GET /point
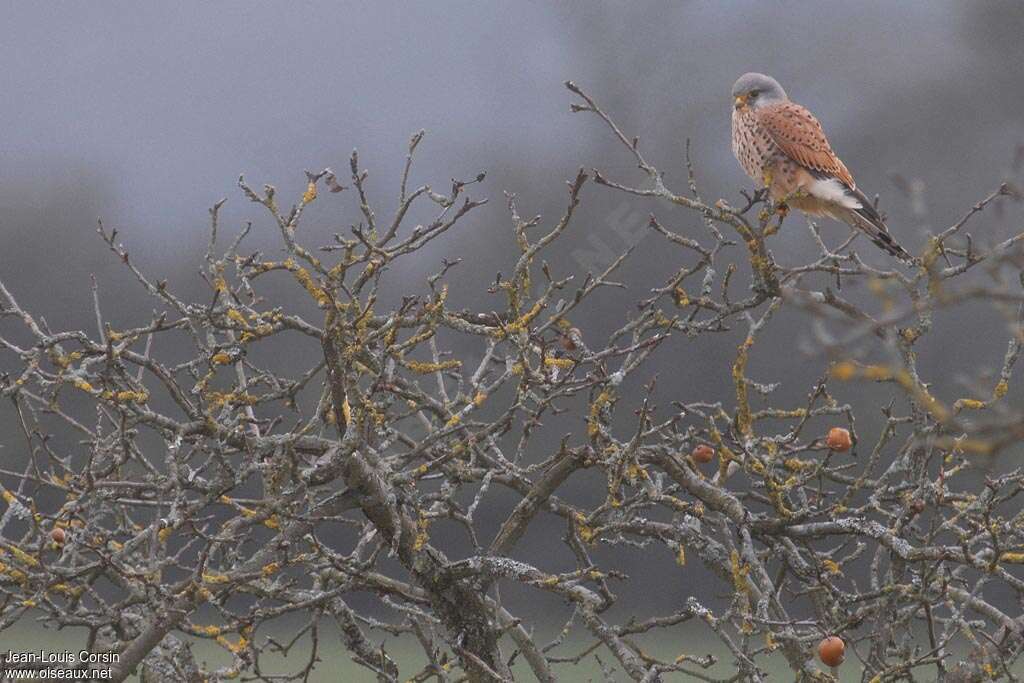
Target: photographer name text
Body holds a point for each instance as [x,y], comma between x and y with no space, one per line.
[61,657]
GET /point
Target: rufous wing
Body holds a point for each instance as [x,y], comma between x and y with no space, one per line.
[799,135]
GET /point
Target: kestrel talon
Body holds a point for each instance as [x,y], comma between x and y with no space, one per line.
[783,148]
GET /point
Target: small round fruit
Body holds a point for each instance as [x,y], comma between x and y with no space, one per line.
[59,536]
[832,650]
[838,439]
[703,454]
[917,506]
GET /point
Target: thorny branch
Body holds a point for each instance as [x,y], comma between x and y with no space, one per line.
[207,498]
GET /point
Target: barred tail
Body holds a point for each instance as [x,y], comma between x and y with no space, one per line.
[868,221]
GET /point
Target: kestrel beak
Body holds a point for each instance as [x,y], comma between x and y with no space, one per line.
[741,101]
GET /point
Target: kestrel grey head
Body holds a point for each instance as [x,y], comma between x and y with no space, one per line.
[757,90]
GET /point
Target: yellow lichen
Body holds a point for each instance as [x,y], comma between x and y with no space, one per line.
[743,421]
[921,395]
[586,534]
[235,315]
[968,404]
[310,194]
[910,334]
[594,420]
[211,630]
[65,589]
[634,472]
[306,280]
[16,575]
[877,372]
[215,578]
[520,323]
[843,371]
[1001,389]
[422,524]
[796,464]
[218,399]
[426,368]
[65,361]
[24,557]
[234,648]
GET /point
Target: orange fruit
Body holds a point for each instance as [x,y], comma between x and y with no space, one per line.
[703,454]
[838,439]
[831,650]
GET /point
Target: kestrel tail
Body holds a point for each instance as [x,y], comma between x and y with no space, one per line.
[781,145]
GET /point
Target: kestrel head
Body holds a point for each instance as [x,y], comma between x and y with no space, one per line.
[756,90]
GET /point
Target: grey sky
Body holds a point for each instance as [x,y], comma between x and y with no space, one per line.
[169,102]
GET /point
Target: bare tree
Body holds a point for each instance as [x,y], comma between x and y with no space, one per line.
[200,494]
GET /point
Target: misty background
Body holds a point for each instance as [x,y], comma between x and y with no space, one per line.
[145,115]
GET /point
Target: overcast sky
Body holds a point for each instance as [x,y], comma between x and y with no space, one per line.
[166,103]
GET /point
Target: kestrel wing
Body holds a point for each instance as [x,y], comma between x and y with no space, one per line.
[799,135]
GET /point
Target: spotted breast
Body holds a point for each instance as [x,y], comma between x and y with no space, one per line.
[752,143]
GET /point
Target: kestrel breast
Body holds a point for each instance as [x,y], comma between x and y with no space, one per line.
[751,144]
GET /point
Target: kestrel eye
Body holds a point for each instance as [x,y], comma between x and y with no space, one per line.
[754,93]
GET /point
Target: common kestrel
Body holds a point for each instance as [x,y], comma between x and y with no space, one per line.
[781,145]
